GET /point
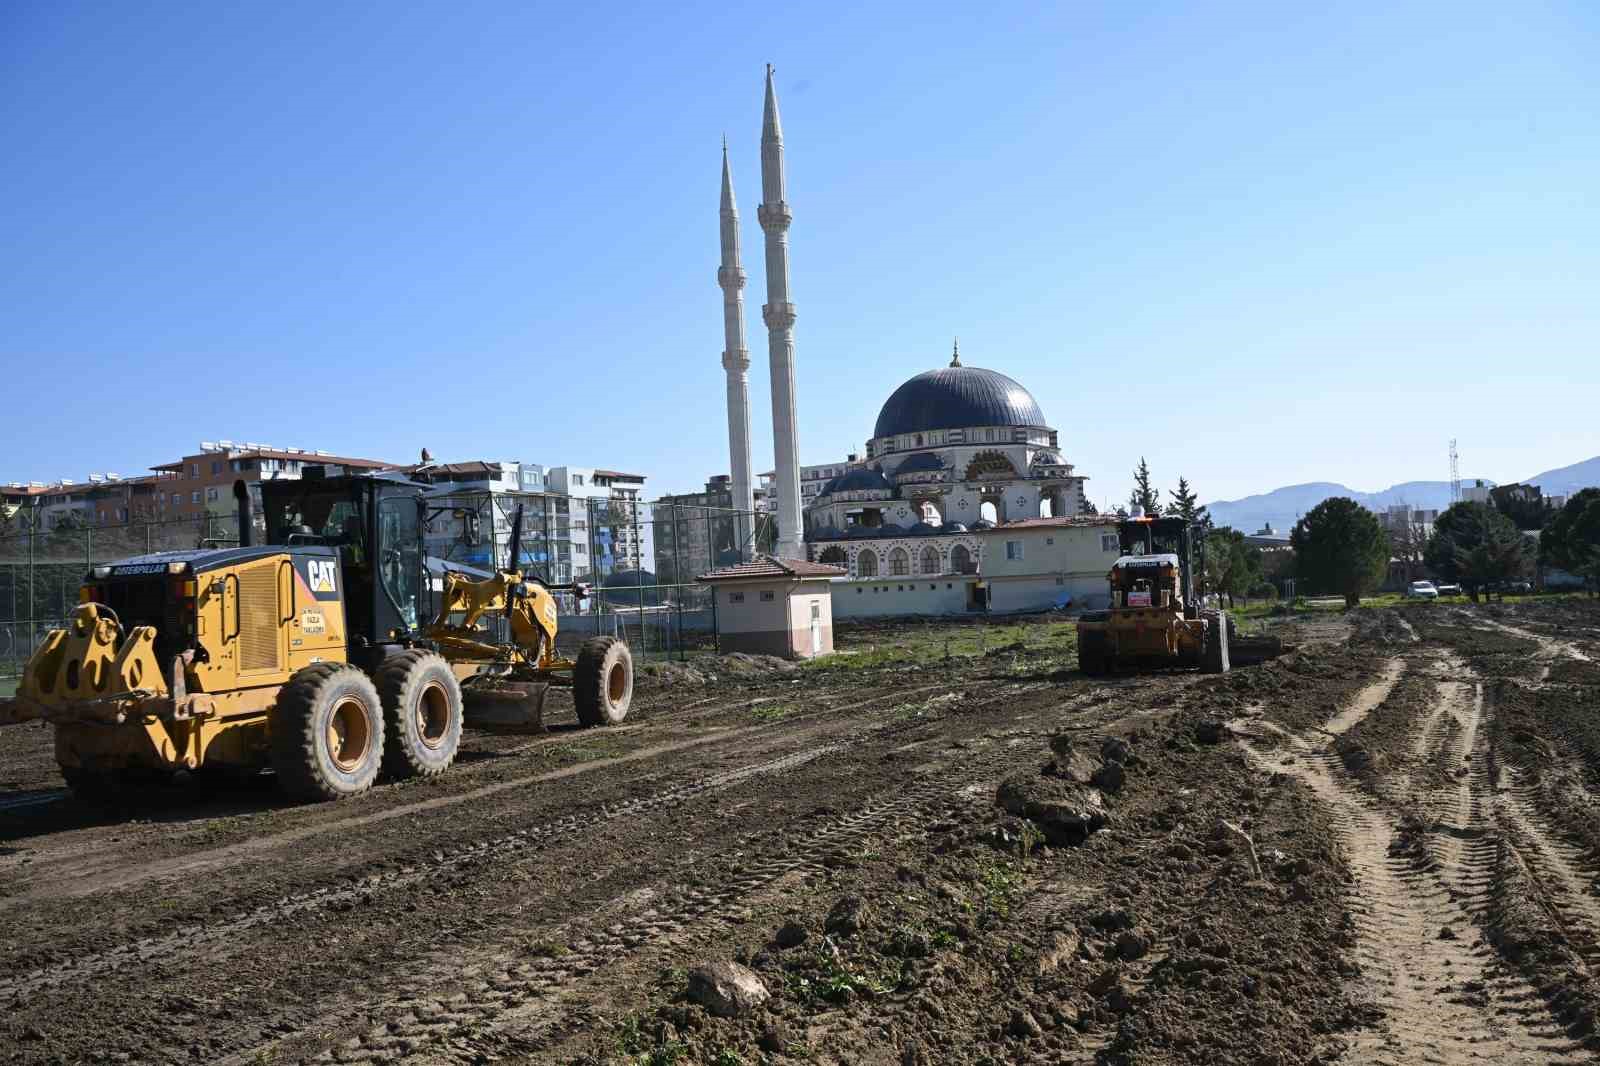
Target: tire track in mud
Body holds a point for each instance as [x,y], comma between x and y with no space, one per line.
[511,997]
[1567,874]
[82,875]
[1440,997]
[559,830]
[147,949]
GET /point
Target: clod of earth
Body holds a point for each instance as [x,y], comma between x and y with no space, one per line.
[726,989]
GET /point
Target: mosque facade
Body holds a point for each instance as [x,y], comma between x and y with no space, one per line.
[955,451]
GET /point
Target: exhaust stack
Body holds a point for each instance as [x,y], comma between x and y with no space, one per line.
[241,496]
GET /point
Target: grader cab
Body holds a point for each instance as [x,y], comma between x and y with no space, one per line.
[330,653]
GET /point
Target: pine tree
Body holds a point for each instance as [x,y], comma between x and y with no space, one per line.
[1186,505]
[1144,494]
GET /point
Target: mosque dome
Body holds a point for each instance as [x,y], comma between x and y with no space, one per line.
[955,397]
[861,479]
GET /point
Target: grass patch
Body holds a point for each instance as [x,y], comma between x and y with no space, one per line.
[911,644]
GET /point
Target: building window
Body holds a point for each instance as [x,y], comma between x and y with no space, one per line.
[767,596]
[1013,549]
[899,562]
[216,466]
[1109,542]
[194,469]
[577,479]
[930,560]
[1050,540]
[735,597]
[194,497]
[1061,581]
[211,495]
[867,563]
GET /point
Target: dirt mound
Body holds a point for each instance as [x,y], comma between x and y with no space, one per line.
[708,669]
[1376,626]
[980,934]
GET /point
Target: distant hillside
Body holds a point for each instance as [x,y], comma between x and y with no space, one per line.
[1281,508]
[1569,479]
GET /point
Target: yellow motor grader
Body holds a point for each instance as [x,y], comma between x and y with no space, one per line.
[333,652]
[1157,618]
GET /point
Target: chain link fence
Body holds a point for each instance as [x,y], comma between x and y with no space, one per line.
[639,559]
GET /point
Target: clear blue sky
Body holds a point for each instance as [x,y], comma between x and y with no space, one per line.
[1259,244]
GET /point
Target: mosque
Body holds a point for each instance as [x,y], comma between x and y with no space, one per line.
[956,450]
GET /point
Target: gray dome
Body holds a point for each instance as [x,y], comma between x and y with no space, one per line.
[954,397]
[923,529]
[983,523]
[922,462]
[952,527]
[861,479]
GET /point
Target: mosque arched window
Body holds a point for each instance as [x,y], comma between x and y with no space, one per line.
[834,556]
[899,562]
[867,563]
[961,559]
[930,560]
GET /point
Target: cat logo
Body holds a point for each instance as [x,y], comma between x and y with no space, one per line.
[320,574]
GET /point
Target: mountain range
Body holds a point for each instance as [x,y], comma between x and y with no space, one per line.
[1282,507]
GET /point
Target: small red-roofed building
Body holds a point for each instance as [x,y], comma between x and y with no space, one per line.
[771,606]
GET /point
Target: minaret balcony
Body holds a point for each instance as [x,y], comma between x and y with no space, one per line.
[731,277]
[778,316]
[774,216]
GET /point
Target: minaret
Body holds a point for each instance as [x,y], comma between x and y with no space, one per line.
[735,358]
[779,317]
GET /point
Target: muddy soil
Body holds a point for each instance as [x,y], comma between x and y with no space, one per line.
[1374,849]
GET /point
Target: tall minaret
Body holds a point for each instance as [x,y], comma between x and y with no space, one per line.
[779,317]
[735,358]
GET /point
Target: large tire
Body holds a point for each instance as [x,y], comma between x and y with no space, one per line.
[422,714]
[1092,653]
[327,733]
[602,684]
[1214,659]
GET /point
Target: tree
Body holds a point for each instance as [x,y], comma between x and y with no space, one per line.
[1476,546]
[1144,494]
[1523,504]
[1340,547]
[1408,542]
[1572,539]
[1233,568]
[1186,505]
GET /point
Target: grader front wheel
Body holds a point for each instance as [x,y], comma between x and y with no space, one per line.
[602,684]
[421,712]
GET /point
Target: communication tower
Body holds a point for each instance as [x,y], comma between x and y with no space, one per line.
[1455,473]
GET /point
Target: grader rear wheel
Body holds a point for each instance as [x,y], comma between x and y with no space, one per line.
[1092,653]
[602,684]
[327,733]
[422,714]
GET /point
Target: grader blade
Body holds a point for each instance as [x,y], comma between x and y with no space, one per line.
[508,707]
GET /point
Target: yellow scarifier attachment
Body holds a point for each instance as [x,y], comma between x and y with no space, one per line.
[80,672]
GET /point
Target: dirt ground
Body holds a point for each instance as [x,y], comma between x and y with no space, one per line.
[945,846]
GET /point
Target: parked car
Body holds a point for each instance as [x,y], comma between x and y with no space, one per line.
[1516,588]
[1421,590]
[1449,590]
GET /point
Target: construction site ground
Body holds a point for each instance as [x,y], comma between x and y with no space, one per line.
[1380,848]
